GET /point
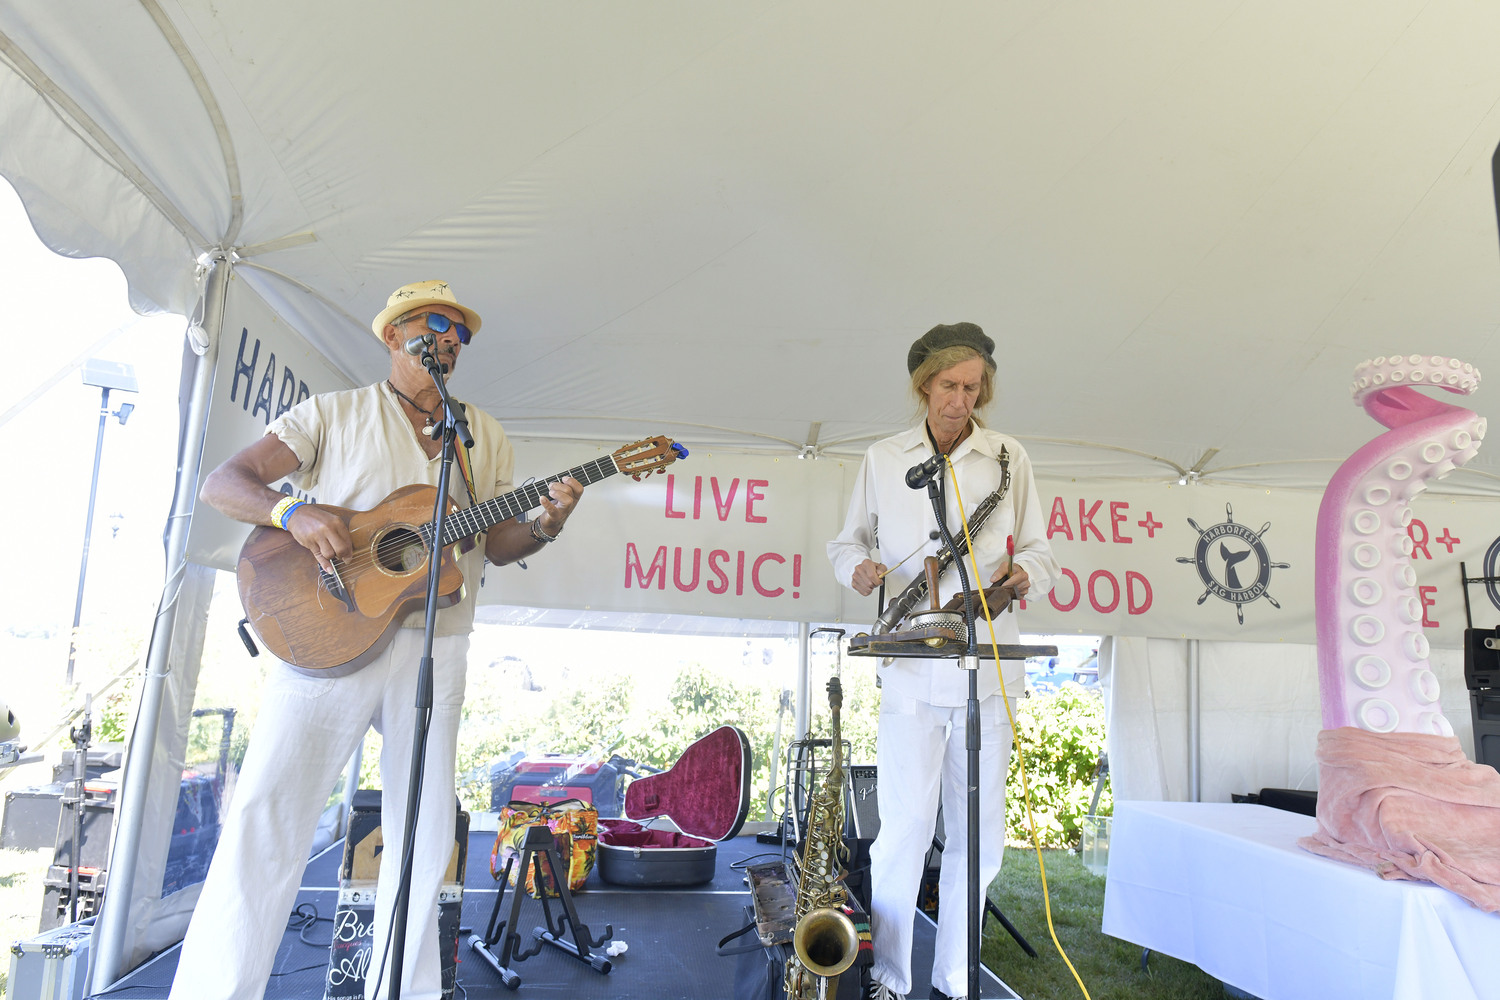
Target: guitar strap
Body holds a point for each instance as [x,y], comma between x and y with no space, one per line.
[466,469]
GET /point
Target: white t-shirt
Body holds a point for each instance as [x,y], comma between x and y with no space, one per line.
[354,448]
[887,520]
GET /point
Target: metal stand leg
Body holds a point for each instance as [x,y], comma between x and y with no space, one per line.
[991,908]
[482,946]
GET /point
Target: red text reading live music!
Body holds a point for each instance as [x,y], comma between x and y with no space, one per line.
[716,570]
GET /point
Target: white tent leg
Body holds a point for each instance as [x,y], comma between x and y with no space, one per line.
[1194,748]
[804,680]
[114,918]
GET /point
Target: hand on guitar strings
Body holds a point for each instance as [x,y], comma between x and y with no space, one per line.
[322,533]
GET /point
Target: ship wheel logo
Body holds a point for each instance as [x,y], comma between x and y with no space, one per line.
[1227,556]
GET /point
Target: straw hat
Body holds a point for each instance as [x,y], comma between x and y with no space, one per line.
[415,296]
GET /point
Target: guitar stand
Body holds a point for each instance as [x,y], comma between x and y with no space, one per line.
[538,847]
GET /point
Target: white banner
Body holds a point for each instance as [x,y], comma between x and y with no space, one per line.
[734,535]
[1228,563]
[727,535]
[264,368]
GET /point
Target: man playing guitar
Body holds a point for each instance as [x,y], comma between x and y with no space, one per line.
[352,449]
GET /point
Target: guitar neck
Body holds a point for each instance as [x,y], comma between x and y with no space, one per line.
[463,523]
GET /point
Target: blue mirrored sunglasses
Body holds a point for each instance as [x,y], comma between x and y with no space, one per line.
[438,323]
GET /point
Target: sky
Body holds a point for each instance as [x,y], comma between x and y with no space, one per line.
[49,424]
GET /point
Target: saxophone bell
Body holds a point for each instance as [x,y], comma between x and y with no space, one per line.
[826,941]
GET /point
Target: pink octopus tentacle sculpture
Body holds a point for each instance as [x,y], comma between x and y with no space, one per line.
[1373,670]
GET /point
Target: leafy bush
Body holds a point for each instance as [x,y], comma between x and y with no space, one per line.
[1062,737]
[1062,734]
[593,719]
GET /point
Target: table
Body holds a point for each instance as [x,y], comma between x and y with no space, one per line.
[1226,887]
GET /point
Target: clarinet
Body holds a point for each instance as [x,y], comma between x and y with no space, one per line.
[916,591]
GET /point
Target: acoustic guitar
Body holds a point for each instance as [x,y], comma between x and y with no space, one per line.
[330,623]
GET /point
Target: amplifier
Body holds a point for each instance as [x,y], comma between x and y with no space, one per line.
[863,814]
[349,957]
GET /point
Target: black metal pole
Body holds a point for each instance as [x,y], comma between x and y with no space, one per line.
[88,528]
[454,425]
[970,663]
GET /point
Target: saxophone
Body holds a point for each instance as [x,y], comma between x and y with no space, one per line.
[916,591]
[824,940]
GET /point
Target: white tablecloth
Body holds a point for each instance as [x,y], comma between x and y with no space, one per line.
[1226,887]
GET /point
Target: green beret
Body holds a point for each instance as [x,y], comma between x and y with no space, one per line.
[946,335]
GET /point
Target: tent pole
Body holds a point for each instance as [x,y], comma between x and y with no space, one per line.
[115,913]
[804,681]
[1194,731]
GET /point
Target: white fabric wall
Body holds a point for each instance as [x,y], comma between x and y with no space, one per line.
[1259,715]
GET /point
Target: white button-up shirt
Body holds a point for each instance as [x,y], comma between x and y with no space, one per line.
[887,520]
[355,447]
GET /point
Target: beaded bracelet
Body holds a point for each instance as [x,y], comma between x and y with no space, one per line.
[540,535]
[283,510]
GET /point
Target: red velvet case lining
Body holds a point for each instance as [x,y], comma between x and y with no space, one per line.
[706,793]
[627,833]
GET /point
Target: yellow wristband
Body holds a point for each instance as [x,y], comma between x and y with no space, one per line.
[283,508]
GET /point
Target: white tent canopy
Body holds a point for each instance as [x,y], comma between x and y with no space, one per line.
[1184,222]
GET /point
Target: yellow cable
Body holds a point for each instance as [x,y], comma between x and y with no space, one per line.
[1020,757]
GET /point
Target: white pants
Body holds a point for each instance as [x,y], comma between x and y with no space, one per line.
[305,732]
[920,749]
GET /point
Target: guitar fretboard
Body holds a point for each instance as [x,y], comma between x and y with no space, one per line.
[463,523]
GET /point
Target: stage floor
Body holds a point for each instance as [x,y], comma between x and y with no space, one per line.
[672,936]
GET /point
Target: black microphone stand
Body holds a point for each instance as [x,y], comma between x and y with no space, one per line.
[453,425]
[970,663]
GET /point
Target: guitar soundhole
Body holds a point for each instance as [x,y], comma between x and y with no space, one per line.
[401,551]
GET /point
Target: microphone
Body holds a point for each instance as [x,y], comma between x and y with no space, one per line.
[415,344]
[919,476]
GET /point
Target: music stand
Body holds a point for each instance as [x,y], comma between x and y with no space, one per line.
[879,645]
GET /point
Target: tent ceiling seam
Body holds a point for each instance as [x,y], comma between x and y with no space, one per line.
[1070,442]
[215,115]
[521,421]
[240,262]
[65,107]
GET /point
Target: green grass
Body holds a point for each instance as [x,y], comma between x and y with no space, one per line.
[1110,968]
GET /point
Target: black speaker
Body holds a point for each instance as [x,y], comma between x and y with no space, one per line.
[1481,658]
[1482,677]
[1485,709]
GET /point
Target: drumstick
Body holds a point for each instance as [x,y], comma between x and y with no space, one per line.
[931,536]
